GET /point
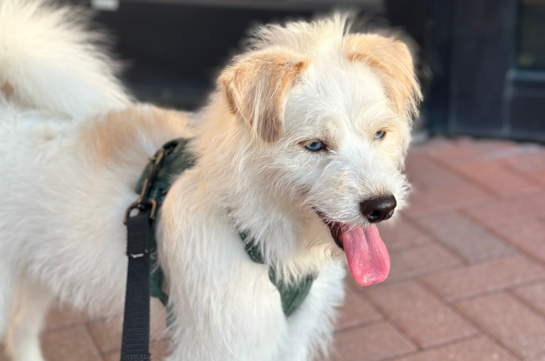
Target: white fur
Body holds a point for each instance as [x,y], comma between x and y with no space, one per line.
[52,62]
[66,184]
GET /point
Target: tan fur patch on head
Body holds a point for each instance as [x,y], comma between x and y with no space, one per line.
[255,87]
[392,61]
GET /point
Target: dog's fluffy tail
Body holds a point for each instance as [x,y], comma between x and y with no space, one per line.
[50,61]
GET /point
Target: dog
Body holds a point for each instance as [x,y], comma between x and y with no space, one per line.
[301,146]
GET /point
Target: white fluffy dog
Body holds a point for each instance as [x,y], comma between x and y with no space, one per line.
[301,147]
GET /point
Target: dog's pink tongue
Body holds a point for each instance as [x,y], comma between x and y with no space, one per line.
[367,255]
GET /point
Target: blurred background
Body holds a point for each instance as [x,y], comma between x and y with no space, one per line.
[481,62]
[468,255]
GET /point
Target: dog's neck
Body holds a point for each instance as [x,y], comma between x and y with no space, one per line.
[290,234]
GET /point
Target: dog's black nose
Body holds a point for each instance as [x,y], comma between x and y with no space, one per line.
[378,209]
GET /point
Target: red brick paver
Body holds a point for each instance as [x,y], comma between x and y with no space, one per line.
[107,333]
[533,295]
[497,179]
[420,260]
[355,312]
[529,238]
[371,343]
[476,349]
[61,316]
[514,325]
[401,234]
[455,154]
[159,351]
[424,173]
[467,238]
[484,277]
[446,199]
[538,177]
[70,344]
[509,213]
[468,269]
[529,161]
[419,314]
[3,356]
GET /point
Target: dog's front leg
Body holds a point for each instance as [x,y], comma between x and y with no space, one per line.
[224,306]
[236,319]
[26,321]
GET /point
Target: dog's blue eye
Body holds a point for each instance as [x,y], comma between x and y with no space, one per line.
[380,135]
[315,146]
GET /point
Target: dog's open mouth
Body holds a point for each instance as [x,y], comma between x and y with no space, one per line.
[366,253]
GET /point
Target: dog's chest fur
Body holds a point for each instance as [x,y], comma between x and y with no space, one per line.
[204,254]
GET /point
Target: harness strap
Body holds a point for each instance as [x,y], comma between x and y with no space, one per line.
[292,295]
[171,160]
[176,159]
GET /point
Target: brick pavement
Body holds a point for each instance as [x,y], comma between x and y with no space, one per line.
[468,269]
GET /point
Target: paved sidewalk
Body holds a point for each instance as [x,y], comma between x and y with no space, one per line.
[468,269]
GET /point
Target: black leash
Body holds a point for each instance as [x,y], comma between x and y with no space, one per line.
[136,321]
[169,161]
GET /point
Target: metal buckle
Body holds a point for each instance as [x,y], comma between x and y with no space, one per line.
[141,207]
[144,202]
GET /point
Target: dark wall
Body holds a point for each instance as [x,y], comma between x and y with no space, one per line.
[173,51]
[478,88]
[482,48]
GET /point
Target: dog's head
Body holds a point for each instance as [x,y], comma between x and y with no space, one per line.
[331,112]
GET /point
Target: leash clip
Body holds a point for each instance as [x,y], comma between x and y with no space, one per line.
[141,207]
[144,202]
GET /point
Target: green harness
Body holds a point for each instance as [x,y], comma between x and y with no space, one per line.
[176,160]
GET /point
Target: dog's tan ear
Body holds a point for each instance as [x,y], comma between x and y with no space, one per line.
[393,63]
[255,87]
